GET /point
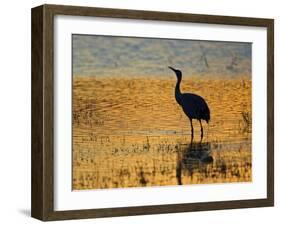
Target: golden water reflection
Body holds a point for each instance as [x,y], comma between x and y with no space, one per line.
[134,134]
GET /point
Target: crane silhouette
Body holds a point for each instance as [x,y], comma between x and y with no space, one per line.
[194,106]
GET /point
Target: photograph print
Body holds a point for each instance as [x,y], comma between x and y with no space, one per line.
[160,112]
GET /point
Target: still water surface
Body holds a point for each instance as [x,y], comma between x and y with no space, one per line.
[131,133]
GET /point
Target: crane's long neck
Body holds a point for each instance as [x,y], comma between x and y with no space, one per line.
[178,92]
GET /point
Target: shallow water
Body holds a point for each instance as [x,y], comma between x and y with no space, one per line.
[131,133]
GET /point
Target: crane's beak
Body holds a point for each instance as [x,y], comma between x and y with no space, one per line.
[172,68]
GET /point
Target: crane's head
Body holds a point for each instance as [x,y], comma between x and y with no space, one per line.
[178,72]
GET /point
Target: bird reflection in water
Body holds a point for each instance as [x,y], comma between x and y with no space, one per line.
[194,157]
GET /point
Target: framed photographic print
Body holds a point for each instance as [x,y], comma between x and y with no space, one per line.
[141,112]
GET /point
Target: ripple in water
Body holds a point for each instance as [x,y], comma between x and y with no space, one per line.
[131,133]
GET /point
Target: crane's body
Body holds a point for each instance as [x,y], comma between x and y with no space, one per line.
[194,106]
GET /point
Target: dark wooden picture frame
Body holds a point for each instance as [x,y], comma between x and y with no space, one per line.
[42,203]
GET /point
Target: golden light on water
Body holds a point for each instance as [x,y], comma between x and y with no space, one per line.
[130,132]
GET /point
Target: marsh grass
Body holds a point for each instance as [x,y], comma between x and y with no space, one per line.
[247,121]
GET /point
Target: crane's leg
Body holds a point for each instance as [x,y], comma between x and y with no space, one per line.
[191,128]
[202,133]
